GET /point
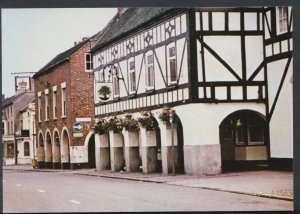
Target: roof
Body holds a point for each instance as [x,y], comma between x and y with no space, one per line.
[8,101]
[60,58]
[131,19]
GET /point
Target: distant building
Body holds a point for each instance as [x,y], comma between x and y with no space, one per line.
[224,71]
[18,128]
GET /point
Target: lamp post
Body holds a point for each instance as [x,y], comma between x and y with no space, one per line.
[172,112]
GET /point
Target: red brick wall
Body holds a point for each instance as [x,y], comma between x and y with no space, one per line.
[79,91]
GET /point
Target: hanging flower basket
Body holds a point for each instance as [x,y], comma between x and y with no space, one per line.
[115,124]
[101,127]
[147,121]
[165,116]
[130,124]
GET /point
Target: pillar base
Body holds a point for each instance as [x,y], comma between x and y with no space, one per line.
[167,159]
[132,159]
[40,164]
[149,159]
[65,165]
[56,165]
[48,165]
[102,158]
[116,159]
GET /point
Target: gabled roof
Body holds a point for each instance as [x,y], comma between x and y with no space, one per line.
[8,101]
[60,58]
[130,20]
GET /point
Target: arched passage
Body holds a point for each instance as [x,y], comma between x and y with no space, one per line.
[65,150]
[56,150]
[48,150]
[243,141]
[40,151]
[180,143]
[91,152]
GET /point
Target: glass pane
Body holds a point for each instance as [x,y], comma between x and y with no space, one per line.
[173,69]
[150,59]
[172,52]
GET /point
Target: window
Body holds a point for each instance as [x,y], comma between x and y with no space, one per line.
[8,130]
[132,76]
[39,107]
[283,19]
[116,83]
[54,105]
[12,127]
[26,149]
[47,106]
[3,130]
[172,65]
[88,62]
[63,99]
[149,72]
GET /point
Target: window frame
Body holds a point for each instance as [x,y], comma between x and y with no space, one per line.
[282,20]
[132,76]
[150,82]
[172,58]
[63,100]
[54,102]
[88,62]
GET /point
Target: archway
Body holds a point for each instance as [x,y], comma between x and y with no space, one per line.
[65,150]
[91,152]
[180,143]
[48,150]
[40,151]
[243,141]
[158,145]
[56,150]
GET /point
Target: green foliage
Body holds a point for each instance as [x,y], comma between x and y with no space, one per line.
[146,120]
[101,127]
[114,124]
[129,123]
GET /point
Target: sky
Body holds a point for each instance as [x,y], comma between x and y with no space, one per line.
[33,37]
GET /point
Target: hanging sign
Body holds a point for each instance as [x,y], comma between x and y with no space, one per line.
[22,83]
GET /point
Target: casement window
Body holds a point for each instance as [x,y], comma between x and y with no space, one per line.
[40,106]
[47,108]
[172,64]
[63,100]
[26,149]
[116,85]
[149,72]
[88,62]
[54,96]
[283,18]
[132,76]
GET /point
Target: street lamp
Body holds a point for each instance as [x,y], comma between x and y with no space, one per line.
[172,113]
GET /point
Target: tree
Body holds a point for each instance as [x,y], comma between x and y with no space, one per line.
[104,93]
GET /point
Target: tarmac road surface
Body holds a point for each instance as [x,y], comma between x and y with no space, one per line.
[29,191]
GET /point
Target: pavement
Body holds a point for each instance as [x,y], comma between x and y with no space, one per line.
[264,183]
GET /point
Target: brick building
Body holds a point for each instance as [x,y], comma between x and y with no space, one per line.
[64,96]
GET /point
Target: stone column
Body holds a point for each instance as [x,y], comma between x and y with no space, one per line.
[131,141]
[102,152]
[166,148]
[149,150]
[116,151]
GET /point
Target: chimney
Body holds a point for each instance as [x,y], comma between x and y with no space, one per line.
[75,43]
[85,38]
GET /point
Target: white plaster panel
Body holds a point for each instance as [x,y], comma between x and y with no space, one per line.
[180,97]
[201,92]
[197,17]
[281,124]
[78,154]
[208,92]
[268,50]
[221,93]
[250,21]
[199,60]
[206,119]
[218,21]
[224,47]
[183,23]
[184,68]
[254,53]
[185,93]
[115,139]
[276,48]
[236,92]
[148,138]
[291,45]
[205,20]
[234,21]
[284,46]
[131,139]
[177,20]
[252,92]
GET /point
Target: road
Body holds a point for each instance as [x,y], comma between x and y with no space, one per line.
[29,191]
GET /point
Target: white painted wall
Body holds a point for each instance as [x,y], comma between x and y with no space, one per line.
[281,124]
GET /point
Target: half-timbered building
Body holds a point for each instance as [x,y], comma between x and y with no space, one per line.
[216,84]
